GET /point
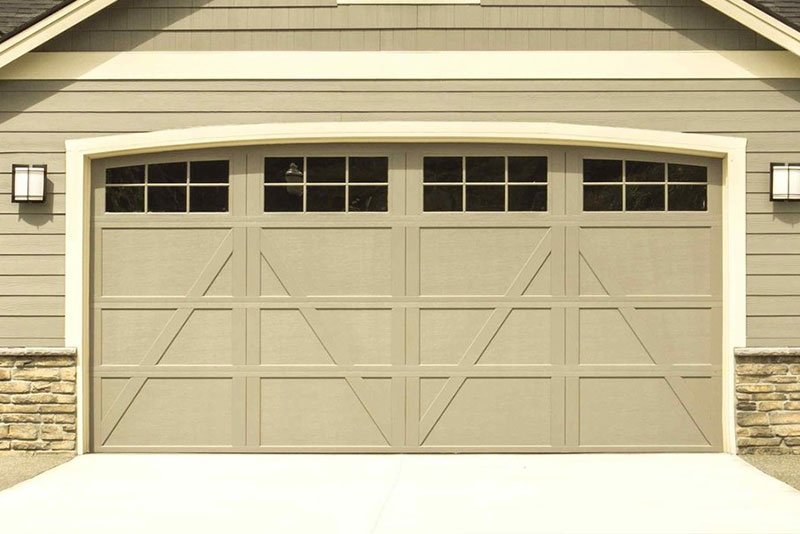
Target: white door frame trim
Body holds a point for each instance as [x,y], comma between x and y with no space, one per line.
[732,151]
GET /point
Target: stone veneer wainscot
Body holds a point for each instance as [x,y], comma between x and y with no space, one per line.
[768,400]
[37,399]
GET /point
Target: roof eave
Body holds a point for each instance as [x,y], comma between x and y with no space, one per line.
[760,21]
[47,26]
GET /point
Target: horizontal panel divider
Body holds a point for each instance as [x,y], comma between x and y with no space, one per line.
[366,221]
[321,371]
[215,303]
[304,449]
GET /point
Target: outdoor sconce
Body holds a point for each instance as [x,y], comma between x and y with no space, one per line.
[28,183]
[784,181]
[294,176]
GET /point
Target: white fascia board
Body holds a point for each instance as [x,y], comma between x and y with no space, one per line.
[488,65]
[48,28]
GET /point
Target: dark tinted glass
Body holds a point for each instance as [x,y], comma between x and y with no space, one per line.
[325,170]
[644,171]
[125,175]
[369,198]
[602,170]
[688,197]
[602,198]
[167,173]
[527,169]
[124,199]
[282,199]
[323,198]
[442,198]
[527,198]
[687,173]
[486,198]
[208,199]
[369,169]
[442,169]
[209,172]
[166,199]
[486,169]
[644,198]
[275,170]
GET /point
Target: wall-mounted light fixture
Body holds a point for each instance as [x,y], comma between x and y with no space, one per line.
[784,181]
[28,183]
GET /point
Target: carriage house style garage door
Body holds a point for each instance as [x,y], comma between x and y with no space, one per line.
[406,298]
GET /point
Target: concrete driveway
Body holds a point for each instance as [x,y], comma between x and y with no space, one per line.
[409,494]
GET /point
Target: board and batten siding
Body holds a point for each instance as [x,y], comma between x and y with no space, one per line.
[37,117]
[169,25]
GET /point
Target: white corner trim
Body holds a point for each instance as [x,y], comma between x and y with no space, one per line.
[49,27]
[81,152]
[492,65]
[760,22]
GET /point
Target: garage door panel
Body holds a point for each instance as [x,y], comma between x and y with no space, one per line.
[501,412]
[326,337]
[446,334]
[606,338]
[649,261]
[320,412]
[188,412]
[523,338]
[542,282]
[205,339]
[325,261]
[162,262]
[620,411]
[128,334]
[477,261]
[288,339]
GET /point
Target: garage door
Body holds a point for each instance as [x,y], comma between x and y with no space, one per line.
[407,299]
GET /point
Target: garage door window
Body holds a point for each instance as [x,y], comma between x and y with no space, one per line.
[326,184]
[485,183]
[175,187]
[620,185]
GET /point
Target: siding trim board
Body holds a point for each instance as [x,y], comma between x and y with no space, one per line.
[440,65]
[80,153]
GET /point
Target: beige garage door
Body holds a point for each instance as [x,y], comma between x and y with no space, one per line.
[406,299]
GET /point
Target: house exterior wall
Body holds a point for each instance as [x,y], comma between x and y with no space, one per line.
[493,25]
[37,117]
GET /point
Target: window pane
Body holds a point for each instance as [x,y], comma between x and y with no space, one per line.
[369,198]
[527,169]
[443,198]
[325,199]
[124,199]
[644,171]
[125,175]
[602,198]
[442,169]
[602,170]
[527,198]
[688,197]
[369,169]
[275,170]
[167,173]
[325,170]
[209,172]
[486,198]
[208,199]
[486,169]
[687,173]
[283,199]
[166,199]
[644,198]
